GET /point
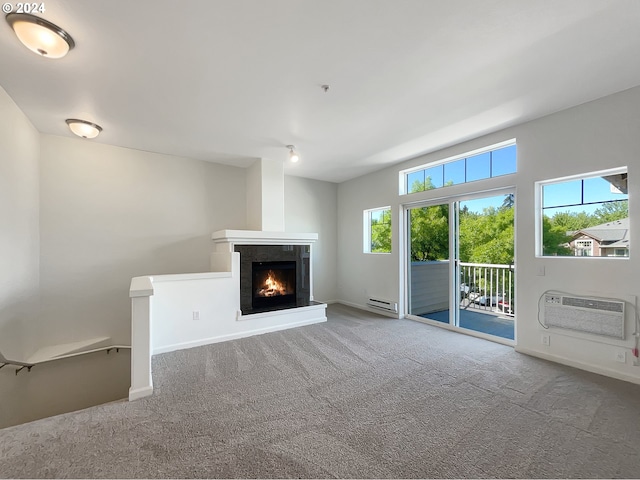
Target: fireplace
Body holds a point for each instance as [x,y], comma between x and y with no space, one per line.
[274,277]
[274,284]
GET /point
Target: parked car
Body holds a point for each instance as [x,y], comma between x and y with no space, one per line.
[505,307]
[484,300]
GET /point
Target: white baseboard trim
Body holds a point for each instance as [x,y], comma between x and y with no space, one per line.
[234,336]
[607,372]
[369,309]
[328,302]
[136,393]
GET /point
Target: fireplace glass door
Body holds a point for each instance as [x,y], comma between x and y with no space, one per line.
[273,284]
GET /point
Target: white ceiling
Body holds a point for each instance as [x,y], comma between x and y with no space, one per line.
[233,80]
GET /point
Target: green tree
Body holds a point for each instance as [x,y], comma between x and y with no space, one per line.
[487,237]
[381,233]
[571,221]
[611,211]
[430,233]
[554,238]
[416,186]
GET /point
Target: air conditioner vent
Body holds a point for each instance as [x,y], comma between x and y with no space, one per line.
[597,316]
[594,304]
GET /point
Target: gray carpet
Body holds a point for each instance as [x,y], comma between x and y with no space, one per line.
[358,396]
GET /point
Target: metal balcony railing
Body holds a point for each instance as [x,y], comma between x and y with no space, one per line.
[486,286]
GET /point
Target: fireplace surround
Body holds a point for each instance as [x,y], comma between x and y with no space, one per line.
[254,246]
[262,266]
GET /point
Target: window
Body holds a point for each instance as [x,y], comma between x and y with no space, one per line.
[584,248]
[479,165]
[585,215]
[377,230]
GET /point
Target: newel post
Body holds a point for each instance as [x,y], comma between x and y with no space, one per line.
[140,292]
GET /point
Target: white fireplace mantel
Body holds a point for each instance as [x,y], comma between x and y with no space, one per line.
[256,237]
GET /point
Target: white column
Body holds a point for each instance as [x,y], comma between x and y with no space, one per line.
[140,293]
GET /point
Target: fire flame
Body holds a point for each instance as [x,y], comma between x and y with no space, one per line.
[272,287]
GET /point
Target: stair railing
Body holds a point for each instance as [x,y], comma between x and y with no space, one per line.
[22,365]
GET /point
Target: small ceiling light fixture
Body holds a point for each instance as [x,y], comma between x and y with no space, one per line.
[293,155]
[40,36]
[83,129]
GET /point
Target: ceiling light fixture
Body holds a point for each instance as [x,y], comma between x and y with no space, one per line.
[40,36]
[83,129]
[293,155]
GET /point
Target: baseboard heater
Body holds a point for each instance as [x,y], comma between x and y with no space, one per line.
[382,304]
[597,316]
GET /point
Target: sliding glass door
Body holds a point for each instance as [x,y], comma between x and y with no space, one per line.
[460,263]
[429,248]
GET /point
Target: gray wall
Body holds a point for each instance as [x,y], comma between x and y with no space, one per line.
[429,291]
[19,228]
[109,214]
[311,207]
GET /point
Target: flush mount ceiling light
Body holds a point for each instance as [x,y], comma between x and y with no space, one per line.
[293,155]
[40,36]
[83,129]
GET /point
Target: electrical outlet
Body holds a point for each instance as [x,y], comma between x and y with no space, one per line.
[546,340]
[621,356]
[196,314]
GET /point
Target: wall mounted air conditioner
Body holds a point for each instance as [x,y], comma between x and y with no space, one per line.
[597,316]
[383,304]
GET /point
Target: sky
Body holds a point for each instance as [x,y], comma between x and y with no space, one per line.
[561,195]
[595,189]
[477,167]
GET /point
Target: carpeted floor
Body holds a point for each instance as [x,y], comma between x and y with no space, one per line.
[358,396]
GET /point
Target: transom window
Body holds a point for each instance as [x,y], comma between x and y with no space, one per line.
[479,165]
[585,215]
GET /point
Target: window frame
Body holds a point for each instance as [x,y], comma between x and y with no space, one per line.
[539,206]
[584,245]
[367,230]
[404,174]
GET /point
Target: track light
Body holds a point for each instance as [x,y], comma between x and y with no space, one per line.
[293,155]
[39,35]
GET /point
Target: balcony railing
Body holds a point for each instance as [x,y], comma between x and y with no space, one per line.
[486,286]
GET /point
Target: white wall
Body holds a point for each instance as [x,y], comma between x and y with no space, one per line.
[109,214]
[594,136]
[365,274]
[311,207]
[80,219]
[254,196]
[59,386]
[215,296]
[590,137]
[19,228]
